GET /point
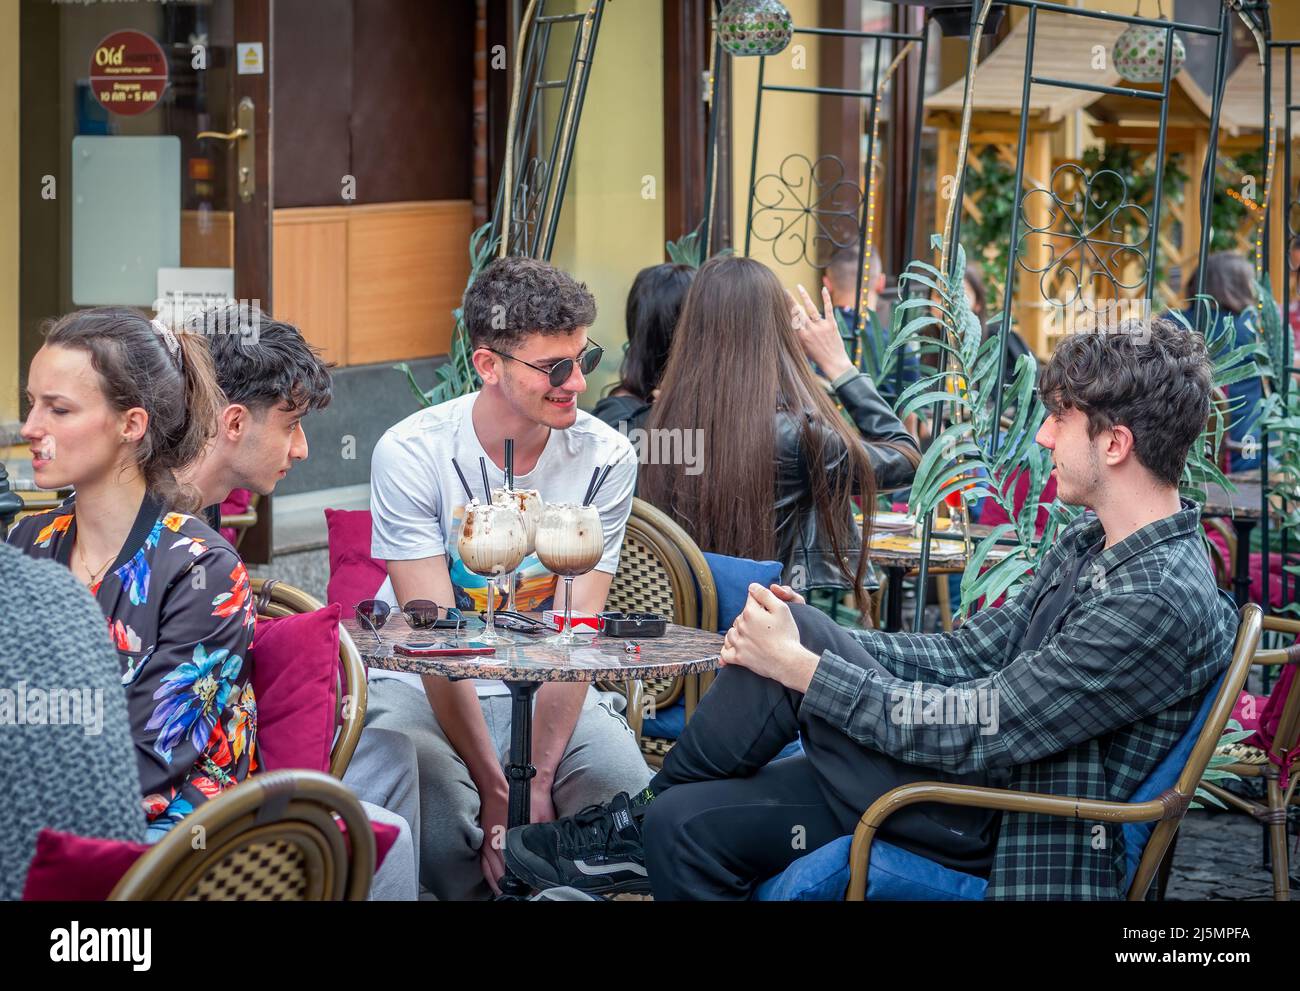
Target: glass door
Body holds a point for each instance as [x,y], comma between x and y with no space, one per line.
[144,144]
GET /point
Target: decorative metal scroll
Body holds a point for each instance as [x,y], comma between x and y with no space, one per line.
[529,202]
[545,134]
[807,210]
[1089,235]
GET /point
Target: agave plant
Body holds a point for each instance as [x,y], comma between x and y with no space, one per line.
[973,457]
[689,249]
[1215,771]
[456,377]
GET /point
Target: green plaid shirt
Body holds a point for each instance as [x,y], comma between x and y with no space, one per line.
[1115,684]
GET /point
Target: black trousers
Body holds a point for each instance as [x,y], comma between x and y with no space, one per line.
[725,819]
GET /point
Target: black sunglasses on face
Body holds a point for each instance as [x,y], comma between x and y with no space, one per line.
[559,372]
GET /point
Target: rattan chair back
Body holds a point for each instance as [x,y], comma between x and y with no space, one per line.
[1177,799]
[275,599]
[659,570]
[274,837]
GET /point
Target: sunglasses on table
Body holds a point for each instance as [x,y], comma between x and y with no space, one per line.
[420,614]
[559,372]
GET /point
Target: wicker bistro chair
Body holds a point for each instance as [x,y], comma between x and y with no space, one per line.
[1253,762]
[843,867]
[276,599]
[1165,809]
[241,523]
[660,569]
[274,838]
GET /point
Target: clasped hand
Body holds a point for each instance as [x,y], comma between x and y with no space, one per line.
[765,638]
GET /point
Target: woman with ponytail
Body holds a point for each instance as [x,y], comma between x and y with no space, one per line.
[120,404]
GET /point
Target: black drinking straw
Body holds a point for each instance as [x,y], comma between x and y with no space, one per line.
[510,463]
[599,483]
[591,485]
[463,480]
[487,488]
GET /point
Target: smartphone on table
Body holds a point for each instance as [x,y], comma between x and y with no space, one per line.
[444,648]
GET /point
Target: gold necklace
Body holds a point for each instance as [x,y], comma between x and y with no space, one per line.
[94,575]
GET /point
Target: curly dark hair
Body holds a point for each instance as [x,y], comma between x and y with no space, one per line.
[1152,377]
[514,297]
[262,362]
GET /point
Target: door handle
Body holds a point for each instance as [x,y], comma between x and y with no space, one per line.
[234,135]
[243,135]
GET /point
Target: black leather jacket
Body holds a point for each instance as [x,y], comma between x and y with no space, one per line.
[807,557]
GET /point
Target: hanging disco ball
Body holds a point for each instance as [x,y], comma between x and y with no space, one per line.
[755,27]
[1139,54]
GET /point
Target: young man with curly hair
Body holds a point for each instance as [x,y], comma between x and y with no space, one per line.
[527,323]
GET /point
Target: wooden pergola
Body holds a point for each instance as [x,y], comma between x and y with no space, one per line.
[1075,51]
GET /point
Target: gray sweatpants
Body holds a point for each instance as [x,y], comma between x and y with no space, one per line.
[382,773]
[602,759]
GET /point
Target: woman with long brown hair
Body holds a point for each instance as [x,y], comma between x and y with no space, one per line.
[119,405]
[781,465]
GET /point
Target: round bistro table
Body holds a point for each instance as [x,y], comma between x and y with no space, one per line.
[528,664]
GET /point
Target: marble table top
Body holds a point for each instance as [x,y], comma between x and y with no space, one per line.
[680,651]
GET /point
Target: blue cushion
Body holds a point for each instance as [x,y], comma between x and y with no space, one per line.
[732,577]
[1164,776]
[667,723]
[897,875]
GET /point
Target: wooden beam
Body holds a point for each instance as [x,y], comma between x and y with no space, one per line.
[686,58]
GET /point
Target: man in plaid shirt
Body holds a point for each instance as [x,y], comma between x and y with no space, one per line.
[1078,686]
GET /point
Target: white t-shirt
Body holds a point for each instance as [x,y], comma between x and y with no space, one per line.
[417,502]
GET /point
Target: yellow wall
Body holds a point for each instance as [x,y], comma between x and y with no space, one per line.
[612,224]
[9,212]
[789,126]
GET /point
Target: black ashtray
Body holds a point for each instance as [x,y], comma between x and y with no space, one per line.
[633,624]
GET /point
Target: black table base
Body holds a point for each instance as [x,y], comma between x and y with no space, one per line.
[520,771]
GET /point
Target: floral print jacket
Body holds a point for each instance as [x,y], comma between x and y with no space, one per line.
[181,613]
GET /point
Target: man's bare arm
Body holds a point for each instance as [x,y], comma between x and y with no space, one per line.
[455,703]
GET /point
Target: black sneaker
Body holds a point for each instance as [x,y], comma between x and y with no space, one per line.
[597,850]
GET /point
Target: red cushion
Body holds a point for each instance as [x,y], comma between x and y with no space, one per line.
[295,665]
[70,868]
[354,574]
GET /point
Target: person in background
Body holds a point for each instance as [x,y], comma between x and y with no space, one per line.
[77,777]
[977,296]
[653,306]
[119,404]
[1230,282]
[782,466]
[271,379]
[840,279]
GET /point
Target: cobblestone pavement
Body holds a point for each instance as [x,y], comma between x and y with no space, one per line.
[1219,857]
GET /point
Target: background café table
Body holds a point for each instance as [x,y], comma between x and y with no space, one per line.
[899,554]
[526,665]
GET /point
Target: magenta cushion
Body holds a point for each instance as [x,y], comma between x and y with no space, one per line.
[295,667]
[70,868]
[354,574]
